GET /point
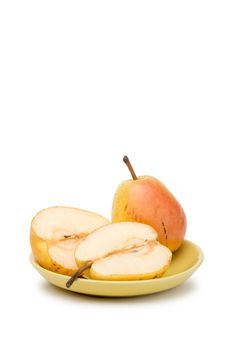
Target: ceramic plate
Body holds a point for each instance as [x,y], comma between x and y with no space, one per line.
[184,263]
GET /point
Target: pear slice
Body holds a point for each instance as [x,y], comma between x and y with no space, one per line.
[113,238]
[55,233]
[121,251]
[146,262]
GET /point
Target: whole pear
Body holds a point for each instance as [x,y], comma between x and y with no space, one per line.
[145,199]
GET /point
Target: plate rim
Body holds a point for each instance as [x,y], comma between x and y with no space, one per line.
[199,261]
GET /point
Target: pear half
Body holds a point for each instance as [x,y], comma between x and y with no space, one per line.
[55,234]
[122,251]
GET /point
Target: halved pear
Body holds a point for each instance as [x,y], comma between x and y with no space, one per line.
[146,262]
[56,232]
[122,251]
[113,238]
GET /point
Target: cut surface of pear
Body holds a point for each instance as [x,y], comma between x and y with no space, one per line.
[113,238]
[148,261]
[56,232]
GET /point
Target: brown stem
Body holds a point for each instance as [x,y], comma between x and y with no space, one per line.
[78,273]
[129,165]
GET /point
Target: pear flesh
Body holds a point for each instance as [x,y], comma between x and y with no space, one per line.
[113,238]
[146,262]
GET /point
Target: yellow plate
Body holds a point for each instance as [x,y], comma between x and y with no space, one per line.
[184,263]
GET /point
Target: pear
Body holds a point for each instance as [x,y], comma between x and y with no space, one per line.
[122,251]
[55,233]
[145,199]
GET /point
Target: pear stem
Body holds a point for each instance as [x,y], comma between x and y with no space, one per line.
[78,273]
[130,168]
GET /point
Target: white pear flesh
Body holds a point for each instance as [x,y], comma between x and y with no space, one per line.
[113,238]
[146,262]
[55,234]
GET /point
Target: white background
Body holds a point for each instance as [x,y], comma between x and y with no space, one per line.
[81,84]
